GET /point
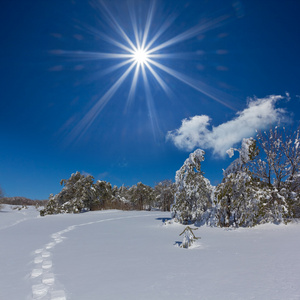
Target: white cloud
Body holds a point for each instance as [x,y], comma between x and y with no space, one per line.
[195,132]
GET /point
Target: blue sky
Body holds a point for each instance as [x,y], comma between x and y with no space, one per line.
[211,57]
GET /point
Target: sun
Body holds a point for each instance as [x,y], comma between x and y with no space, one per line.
[143,53]
[140,56]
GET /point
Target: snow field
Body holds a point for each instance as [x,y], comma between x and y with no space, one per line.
[42,276]
[133,255]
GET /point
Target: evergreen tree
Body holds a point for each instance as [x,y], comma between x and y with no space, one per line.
[142,196]
[236,197]
[76,195]
[193,191]
[188,237]
[103,193]
[123,196]
[52,206]
[164,194]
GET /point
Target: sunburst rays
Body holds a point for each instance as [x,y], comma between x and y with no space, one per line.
[141,56]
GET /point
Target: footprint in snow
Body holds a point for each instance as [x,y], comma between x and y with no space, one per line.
[43,278]
[39,291]
[58,295]
[47,264]
[48,279]
[50,245]
[38,251]
[36,273]
[46,254]
[38,260]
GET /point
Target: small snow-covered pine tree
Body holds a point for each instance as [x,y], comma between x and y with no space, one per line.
[188,237]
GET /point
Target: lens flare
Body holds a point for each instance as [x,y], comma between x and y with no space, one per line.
[140,55]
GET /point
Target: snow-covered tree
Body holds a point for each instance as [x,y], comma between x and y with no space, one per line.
[263,184]
[188,237]
[121,198]
[52,206]
[122,193]
[103,194]
[293,195]
[76,194]
[272,165]
[193,191]
[142,196]
[278,167]
[273,206]
[236,200]
[236,197]
[164,194]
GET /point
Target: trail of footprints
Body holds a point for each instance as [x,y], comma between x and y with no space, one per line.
[42,276]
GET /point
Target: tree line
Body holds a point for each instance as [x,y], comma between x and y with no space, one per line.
[22,201]
[81,193]
[261,185]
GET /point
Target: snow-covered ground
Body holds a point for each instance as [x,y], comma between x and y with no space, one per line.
[133,255]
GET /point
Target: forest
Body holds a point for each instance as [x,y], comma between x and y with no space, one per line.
[261,185]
